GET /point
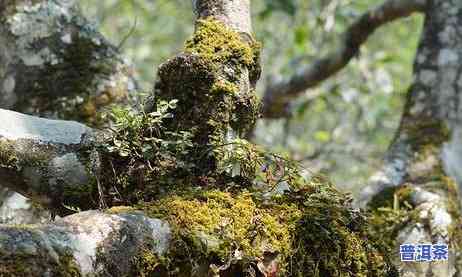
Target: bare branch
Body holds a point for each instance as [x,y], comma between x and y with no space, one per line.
[278,95]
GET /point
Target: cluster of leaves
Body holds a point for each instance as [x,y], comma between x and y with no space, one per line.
[141,135]
[142,152]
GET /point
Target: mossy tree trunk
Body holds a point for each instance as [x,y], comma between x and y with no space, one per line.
[422,165]
[212,221]
[51,51]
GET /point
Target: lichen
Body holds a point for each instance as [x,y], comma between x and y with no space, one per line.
[75,83]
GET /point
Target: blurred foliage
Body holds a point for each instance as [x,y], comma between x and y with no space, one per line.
[340,128]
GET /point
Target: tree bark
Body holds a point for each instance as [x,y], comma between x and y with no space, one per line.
[89,243]
[63,166]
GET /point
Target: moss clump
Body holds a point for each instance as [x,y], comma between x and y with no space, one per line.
[311,232]
[8,156]
[222,87]
[217,44]
[120,209]
[391,197]
[220,223]
[147,264]
[392,210]
[186,165]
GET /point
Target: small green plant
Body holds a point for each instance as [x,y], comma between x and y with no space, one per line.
[141,135]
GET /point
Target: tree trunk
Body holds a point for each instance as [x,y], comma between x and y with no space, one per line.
[424,159]
[213,222]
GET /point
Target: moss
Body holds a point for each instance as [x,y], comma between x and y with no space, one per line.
[11,7]
[147,264]
[391,197]
[216,229]
[392,210]
[26,265]
[206,80]
[217,45]
[8,156]
[221,224]
[68,266]
[75,198]
[223,87]
[70,87]
[425,132]
[120,209]
[35,157]
[205,214]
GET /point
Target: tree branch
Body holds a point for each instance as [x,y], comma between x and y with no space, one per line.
[50,161]
[277,95]
[54,63]
[85,244]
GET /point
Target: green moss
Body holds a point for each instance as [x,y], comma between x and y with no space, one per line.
[391,210]
[68,266]
[8,156]
[120,209]
[223,87]
[205,214]
[205,185]
[76,198]
[425,132]
[26,265]
[35,157]
[391,197]
[147,264]
[217,45]
[206,81]
[213,229]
